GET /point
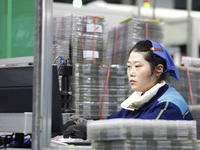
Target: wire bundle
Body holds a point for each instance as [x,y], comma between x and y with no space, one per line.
[15,140]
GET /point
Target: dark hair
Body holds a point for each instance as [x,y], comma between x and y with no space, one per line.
[153,59]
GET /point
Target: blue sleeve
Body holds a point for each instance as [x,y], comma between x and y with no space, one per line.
[167,111]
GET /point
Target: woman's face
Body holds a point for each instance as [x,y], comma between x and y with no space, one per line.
[139,73]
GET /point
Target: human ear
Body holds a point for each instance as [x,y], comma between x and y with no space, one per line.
[159,68]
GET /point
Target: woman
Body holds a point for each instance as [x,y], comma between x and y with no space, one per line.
[148,64]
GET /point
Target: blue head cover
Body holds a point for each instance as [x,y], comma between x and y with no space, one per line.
[162,52]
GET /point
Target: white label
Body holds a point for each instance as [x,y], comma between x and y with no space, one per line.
[89,54]
[91,28]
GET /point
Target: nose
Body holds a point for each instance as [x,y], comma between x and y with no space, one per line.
[131,72]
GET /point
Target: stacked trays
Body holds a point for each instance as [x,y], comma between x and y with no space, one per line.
[182,86]
[81,38]
[140,134]
[88,85]
[61,36]
[145,145]
[88,39]
[195,110]
[125,35]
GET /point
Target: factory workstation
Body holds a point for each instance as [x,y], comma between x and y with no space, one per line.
[100,74]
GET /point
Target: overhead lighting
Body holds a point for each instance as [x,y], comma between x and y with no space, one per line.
[77,3]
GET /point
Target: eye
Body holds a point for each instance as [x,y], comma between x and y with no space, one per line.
[128,66]
[137,66]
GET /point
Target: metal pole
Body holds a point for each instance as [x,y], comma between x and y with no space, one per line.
[189,28]
[139,8]
[195,38]
[46,96]
[37,76]
[42,91]
[154,7]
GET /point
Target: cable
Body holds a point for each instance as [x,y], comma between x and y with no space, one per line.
[146,30]
[6,141]
[63,62]
[28,140]
[56,59]
[190,87]
[103,99]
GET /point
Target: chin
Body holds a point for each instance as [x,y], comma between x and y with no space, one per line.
[135,89]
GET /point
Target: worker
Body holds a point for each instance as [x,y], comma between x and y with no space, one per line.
[147,67]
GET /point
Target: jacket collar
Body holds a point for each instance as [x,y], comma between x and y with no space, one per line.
[155,98]
[137,100]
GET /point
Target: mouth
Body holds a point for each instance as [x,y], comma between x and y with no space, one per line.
[132,82]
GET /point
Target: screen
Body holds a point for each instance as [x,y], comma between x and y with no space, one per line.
[16,86]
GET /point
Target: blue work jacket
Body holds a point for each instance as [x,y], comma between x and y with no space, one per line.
[167,104]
